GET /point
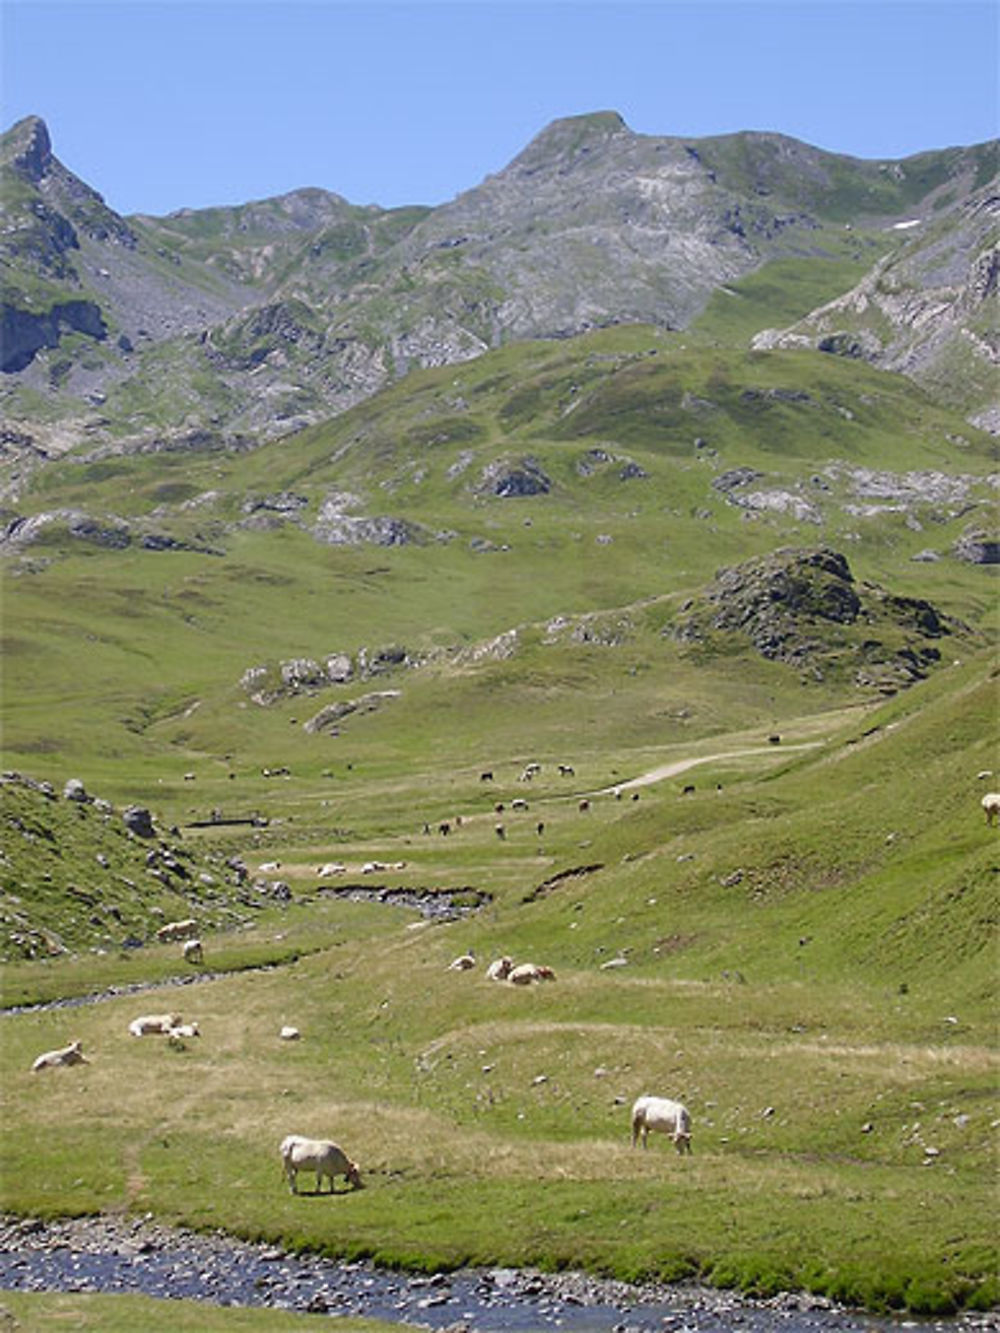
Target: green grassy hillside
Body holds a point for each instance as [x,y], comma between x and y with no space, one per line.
[783,958]
[502,562]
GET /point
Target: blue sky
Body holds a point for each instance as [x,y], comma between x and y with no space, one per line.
[188,103]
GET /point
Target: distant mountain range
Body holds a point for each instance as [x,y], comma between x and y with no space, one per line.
[247,322]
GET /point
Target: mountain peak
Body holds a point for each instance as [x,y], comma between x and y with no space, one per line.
[564,142]
[28,148]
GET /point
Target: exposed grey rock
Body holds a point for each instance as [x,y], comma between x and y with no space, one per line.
[734,477]
[632,472]
[339,668]
[302,672]
[507,480]
[138,820]
[978,548]
[803,608]
[329,716]
[285,502]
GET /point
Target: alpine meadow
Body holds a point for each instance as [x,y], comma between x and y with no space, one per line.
[597,571]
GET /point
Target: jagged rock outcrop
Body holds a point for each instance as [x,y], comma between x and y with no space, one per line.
[927,309]
[803,607]
[23,334]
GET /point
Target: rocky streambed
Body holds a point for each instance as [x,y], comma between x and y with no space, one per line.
[139,1255]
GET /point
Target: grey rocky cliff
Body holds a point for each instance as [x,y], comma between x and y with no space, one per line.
[927,310]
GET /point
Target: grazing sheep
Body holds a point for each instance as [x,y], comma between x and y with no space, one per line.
[319,1155]
[565,771]
[176,930]
[991,805]
[486,777]
[500,968]
[584,805]
[500,831]
[154,1025]
[663,1116]
[518,803]
[288,1033]
[193,952]
[66,1055]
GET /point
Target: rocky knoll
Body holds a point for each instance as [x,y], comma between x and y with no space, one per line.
[804,608]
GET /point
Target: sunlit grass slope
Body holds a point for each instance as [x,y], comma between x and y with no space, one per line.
[807,956]
[629,429]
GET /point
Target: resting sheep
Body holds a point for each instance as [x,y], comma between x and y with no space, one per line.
[177,1036]
[499,969]
[184,1030]
[991,805]
[176,930]
[151,1025]
[66,1055]
[665,1117]
[319,1155]
[525,973]
[462,963]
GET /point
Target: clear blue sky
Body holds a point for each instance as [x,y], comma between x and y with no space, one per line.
[187,103]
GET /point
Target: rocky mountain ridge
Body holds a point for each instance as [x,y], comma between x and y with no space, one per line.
[927,309]
[259,319]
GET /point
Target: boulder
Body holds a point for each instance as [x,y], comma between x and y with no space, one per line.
[138,820]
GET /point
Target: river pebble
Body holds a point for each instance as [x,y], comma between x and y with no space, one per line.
[103,1254]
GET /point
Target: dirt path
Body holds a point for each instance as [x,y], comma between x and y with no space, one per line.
[671,770]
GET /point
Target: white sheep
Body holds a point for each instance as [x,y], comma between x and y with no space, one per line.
[176,930]
[178,1035]
[65,1055]
[154,1025]
[664,1116]
[192,951]
[319,1155]
[499,969]
[991,805]
[525,973]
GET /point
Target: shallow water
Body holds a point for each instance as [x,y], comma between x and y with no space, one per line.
[111,1255]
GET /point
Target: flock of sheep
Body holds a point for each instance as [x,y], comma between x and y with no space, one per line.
[324,1157]
[503,969]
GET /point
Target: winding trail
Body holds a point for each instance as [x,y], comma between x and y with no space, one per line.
[677,766]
